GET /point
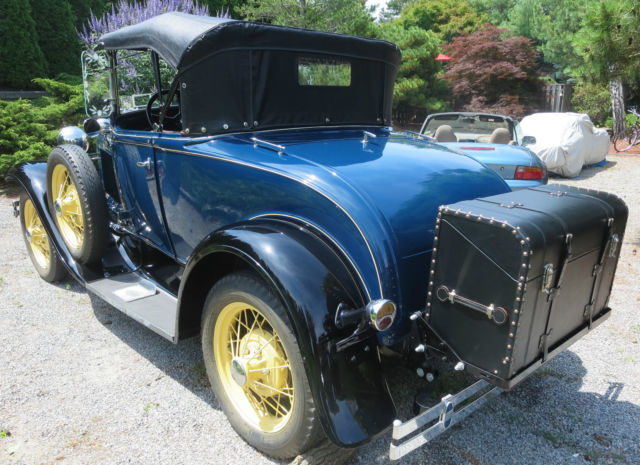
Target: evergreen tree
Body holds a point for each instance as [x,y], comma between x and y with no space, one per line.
[20,56]
[82,10]
[498,10]
[417,84]
[446,18]
[609,51]
[218,7]
[551,25]
[342,16]
[392,10]
[57,35]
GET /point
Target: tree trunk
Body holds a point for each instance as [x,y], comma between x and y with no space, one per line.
[617,104]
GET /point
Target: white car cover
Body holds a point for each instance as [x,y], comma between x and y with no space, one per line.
[566,141]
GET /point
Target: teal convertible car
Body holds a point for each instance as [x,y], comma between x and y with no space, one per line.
[495,140]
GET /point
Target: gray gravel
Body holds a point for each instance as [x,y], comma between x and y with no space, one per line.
[80,383]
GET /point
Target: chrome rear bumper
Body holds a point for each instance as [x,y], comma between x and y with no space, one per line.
[444,414]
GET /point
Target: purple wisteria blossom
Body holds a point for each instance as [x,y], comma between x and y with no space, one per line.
[124,13]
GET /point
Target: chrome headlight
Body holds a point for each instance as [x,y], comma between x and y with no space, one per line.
[381,313]
[73,135]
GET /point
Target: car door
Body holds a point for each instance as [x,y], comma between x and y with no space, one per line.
[137,172]
[133,147]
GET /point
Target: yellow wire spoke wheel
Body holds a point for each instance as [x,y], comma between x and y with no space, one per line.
[253,367]
[67,207]
[36,236]
[41,251]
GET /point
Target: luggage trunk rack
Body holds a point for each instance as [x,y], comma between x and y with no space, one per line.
[444,414]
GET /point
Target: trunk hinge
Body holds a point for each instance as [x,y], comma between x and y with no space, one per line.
[608,249]
[552,293]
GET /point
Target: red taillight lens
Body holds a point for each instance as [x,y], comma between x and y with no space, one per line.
[528,172]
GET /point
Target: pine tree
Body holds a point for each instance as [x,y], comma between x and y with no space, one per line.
[342,16]
[57,35]
[82,10]
[20,56]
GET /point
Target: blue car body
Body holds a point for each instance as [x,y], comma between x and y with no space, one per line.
[377,202]
[504,158]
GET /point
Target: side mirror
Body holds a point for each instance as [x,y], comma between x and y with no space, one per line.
[528,140]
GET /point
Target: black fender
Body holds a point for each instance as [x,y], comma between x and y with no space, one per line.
[32,177]
[312,278]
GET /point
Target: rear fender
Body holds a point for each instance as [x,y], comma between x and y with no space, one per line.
[311,279]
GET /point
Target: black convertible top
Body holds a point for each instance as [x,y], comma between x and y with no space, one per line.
[169,34]
[182,39]
[236,76]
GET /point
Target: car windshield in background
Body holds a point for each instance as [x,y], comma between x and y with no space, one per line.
[462,124]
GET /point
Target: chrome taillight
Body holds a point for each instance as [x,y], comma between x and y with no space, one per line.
[381,313]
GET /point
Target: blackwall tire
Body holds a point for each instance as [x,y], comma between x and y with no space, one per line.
[43,255]
[256,369]
[77,202]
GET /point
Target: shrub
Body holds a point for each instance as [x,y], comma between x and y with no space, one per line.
[28,129]
[594,100]
[630,121]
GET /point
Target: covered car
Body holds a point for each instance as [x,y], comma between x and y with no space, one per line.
[566,142]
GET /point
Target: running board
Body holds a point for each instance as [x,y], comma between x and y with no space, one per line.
[139,298]
[445,414]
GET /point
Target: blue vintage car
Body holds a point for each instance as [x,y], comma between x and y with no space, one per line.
[495,140]
[247,188]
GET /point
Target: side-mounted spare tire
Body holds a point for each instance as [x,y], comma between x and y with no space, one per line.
[77,202]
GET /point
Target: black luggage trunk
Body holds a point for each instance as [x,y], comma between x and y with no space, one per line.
[517,277]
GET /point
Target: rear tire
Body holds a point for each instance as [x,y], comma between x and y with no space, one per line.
[256,369]
[44,257]
[77,202]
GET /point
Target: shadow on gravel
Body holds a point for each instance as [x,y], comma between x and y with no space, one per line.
[586,173]
[182,362]
[544,420]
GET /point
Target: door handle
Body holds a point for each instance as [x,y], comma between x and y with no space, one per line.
[144,164]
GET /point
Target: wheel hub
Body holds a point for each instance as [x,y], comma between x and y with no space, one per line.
[239,371]
[253,367]
[58,208]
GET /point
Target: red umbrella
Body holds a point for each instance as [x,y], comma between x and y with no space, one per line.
[442,57]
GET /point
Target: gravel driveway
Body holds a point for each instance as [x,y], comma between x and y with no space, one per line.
[80,383]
